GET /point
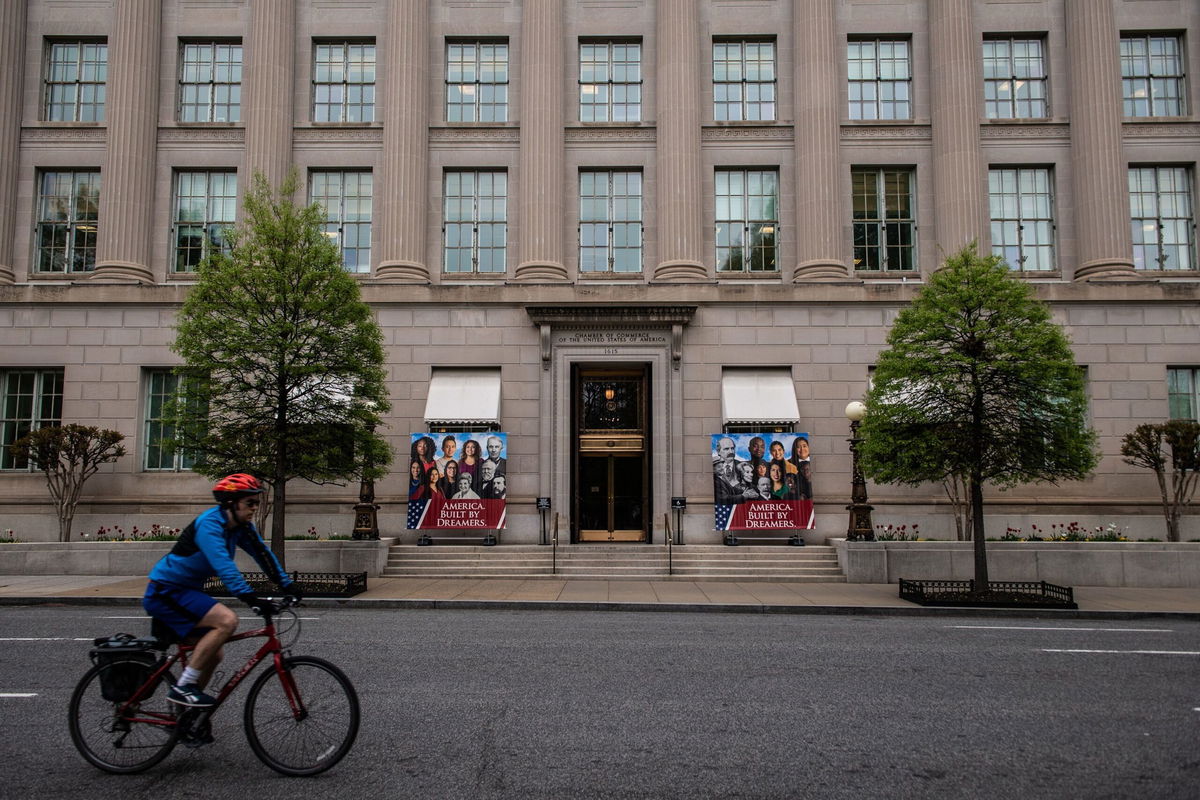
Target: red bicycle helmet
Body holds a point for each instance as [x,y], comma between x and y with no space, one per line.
[236,486]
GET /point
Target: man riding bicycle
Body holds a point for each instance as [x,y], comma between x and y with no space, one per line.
[175,594]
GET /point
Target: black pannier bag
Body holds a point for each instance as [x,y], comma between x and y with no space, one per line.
[131,663]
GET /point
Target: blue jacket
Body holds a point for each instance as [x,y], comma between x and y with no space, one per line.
[206,548]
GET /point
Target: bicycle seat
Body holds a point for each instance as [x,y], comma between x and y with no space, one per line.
[161,635]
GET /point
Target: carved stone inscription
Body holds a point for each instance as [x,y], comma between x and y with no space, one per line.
[611,341]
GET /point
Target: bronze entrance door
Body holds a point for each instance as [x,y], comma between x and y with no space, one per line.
[612,460]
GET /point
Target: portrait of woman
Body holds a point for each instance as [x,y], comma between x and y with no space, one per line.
[430,488]
[471,461]
[423,452]
[778,457]
[415,475]
[801,459]
[779,487]
[464,490]
[449,482]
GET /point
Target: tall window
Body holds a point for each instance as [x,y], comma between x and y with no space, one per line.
[210,82]
[477,82]
[610,82]
[880,79]
[344,82]
[162,386]
[1183,393]
[747,220]
[32,399]
[610,222]
[884,221]
[205,208]
[1014,79]
[1022,211]
[346,198]
[1152,76]
[1162,216]
[68,212]
[475,221]
[76,75]
[743,80]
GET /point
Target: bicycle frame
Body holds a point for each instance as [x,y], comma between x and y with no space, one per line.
[270,647]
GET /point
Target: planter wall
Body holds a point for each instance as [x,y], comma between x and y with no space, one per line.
[1129,564]
[136,558]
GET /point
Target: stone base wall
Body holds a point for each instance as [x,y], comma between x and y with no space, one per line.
[136,558]
[1127,564]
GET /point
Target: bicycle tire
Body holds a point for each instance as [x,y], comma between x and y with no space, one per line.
[318,740]
[111,740]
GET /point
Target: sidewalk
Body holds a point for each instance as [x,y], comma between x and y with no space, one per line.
[628,595]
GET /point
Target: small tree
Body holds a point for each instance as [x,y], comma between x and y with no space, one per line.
[1176,467]
[283,363]
[68,455]
[978,385]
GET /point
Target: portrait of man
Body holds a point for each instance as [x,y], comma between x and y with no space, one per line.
[494,448]
[499,488]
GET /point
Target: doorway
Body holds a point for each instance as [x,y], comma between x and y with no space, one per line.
[611,475]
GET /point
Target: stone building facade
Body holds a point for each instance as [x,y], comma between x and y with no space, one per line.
[674,197]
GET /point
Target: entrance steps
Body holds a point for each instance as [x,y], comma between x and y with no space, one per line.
[693,562]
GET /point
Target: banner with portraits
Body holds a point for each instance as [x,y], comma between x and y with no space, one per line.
[457,481]
[762,481]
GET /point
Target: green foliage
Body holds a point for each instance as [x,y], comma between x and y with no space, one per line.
[68,455]
[1172,451]
[283,361]
[978,384]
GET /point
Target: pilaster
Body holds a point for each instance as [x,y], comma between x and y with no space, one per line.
[12,73]
[402,203]
[270,80]
[124,239]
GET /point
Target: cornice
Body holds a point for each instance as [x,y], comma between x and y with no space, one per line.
[611,316]
[614,135]
[48,135]
[474,135]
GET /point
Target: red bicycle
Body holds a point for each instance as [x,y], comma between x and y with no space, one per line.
[301,714]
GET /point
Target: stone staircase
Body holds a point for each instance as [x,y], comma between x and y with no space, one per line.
[693,562]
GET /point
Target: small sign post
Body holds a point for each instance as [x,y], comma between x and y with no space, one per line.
[678,504]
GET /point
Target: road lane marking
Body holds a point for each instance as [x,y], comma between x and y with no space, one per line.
[1131,652]
[1040,628]
[144,617]
[18,694]
[46,639]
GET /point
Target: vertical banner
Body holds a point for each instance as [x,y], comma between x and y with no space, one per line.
[762,481]
[457,481]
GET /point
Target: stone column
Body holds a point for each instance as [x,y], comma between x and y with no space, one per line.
[960,212]
[817,138]
[680,183]
[125,236]
[1103,241]
[12,81]
[543,152]
[403,97]
[270,88]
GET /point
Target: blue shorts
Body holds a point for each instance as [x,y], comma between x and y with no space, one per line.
[177,606]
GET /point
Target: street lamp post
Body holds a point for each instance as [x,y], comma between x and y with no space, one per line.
[366,520]
[860,529]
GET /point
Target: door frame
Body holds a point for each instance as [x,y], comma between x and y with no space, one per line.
[616,445]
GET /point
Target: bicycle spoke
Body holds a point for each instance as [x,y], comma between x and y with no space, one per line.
[314,740]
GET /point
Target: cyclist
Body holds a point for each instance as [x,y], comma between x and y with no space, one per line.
[206,548]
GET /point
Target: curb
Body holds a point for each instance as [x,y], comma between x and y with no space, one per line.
[707,608]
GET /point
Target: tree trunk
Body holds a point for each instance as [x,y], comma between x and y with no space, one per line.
[278,522]
[981,567]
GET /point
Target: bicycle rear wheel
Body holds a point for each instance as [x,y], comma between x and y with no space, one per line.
[311,734]
[121,737]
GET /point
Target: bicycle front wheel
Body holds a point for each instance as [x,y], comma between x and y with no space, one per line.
[121,737]
[304,721]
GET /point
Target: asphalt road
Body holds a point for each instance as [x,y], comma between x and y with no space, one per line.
[531,704]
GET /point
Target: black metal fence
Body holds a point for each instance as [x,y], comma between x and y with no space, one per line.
[1008,594]
[313,584]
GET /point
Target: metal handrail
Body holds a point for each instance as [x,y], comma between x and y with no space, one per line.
[670,545]
[554,547]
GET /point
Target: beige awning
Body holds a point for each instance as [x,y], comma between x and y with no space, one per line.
[463,397]
[763,395]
